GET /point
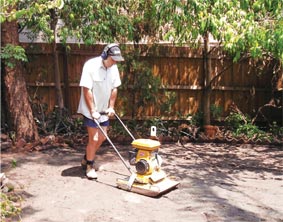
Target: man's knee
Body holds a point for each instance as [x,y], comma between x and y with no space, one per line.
[97,138]
[101,135]
[94,138]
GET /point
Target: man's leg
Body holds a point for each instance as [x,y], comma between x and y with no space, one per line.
[95,139]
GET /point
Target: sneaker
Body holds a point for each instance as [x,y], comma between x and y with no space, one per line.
[96,166]
[90,172]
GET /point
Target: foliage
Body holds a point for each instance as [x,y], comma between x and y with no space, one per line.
[253,27]
[77,20]
[276,130]
[250,131]
[61,123]
[142,15]
[161,126]
[123,21]
[216,111]
[8,206]
[235,120]
[14,10]
[147,89]
[31,14]
[11,53]
[197,119]
[135,127]
[141,129]
[14,163]
[54,122]
[82,20]
[242,126]
[241,27]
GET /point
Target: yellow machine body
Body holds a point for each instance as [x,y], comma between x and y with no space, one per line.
[150,180]
[147,157]
[146,144]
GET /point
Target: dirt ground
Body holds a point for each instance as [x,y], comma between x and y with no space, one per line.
[218,183]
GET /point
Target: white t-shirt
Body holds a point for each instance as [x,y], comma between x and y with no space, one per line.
[101,81]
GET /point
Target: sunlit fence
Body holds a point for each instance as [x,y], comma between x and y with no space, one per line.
[179,68]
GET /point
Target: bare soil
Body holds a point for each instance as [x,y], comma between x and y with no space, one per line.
[218,182]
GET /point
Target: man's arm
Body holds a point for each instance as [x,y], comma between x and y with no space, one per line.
[89,99]
[113,98]
[90,103]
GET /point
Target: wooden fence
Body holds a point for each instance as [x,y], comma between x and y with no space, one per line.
[180,70]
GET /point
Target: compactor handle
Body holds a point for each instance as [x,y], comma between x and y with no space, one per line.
[128,131]
[114,147]
[118,118]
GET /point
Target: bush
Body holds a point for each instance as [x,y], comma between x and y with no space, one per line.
[8,206]
[242,125]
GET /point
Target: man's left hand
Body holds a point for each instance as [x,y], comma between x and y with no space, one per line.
[110,111]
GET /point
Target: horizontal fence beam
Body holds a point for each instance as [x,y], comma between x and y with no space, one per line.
[170,87]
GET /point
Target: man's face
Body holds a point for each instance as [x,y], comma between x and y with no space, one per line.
[110,62]
[113,61]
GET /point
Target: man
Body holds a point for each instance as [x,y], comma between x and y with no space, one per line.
[99,81]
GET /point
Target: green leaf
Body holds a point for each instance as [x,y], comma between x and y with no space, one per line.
[11,53]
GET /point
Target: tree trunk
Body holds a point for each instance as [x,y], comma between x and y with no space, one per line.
[18,109]
[66,80]
[134,94]
[207,81]
[57,77]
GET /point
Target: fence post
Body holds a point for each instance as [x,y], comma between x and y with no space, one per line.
[66,78]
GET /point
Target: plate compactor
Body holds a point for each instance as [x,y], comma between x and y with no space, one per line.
[148,179]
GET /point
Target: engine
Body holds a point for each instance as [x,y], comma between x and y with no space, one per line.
[146,159]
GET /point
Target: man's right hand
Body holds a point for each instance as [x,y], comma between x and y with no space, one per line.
[95,115]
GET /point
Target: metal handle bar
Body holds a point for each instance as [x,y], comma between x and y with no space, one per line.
[118,118]
[128,131]
[114,147]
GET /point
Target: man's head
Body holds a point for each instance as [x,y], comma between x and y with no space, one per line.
[113,51]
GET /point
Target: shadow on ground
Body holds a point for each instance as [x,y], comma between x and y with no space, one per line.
[223,182]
